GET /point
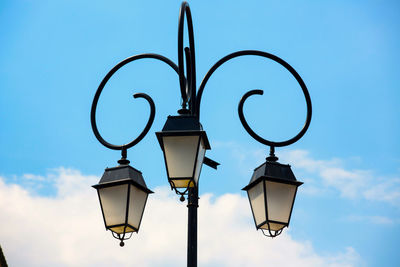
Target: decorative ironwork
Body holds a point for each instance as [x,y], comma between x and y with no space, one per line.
[103,83]
[191,100]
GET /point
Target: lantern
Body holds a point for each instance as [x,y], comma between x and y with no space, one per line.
[122,194]
[184,144]
[272,191]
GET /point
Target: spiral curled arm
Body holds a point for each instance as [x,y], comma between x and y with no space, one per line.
[139,95]
[244,122]
[141,135]
[188,84]
[259,92]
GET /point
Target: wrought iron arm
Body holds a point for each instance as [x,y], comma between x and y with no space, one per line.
[259,92]
[256,136]
[139,95]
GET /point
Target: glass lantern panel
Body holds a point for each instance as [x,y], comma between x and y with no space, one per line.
[274,226]
[199,162]
[256,196]
[183,183]
[137,201]
[120,229]
[113,201]
[280,199]
[180,154]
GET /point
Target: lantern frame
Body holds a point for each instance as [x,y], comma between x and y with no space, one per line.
[117,176]
[179,126]
[273,172]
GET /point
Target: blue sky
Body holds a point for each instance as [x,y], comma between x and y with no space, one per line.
[55,53]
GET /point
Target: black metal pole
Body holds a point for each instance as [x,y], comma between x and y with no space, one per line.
[193,200]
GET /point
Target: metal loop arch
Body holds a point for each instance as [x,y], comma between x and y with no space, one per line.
[139,95]
[188,86]
[260,92]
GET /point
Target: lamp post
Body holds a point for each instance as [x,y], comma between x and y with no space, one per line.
[122,190]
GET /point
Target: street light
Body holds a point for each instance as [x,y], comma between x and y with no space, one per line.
[122,194]
[184,144]
[271,191]
[122,190]
[272,188]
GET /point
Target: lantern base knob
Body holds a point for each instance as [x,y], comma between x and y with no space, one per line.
[122,243]
[182,198]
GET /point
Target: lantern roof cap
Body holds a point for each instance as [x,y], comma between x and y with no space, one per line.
[273,171]
[183,125]
[122,174]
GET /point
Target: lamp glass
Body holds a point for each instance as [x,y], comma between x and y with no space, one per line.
[256,196]
[180,156]
[273,226]
[199,162]
[137,201]
[280,197]
[113,201]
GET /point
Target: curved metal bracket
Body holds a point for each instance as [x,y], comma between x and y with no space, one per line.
[256,136]
[141,135]
[260,92]
[139,95]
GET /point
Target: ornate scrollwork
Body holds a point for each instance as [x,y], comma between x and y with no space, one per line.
[96,132]
[259,92]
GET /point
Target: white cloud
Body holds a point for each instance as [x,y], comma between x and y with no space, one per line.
[322,175]
[351,183]
[67,230]
[387,190]
[372,219]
